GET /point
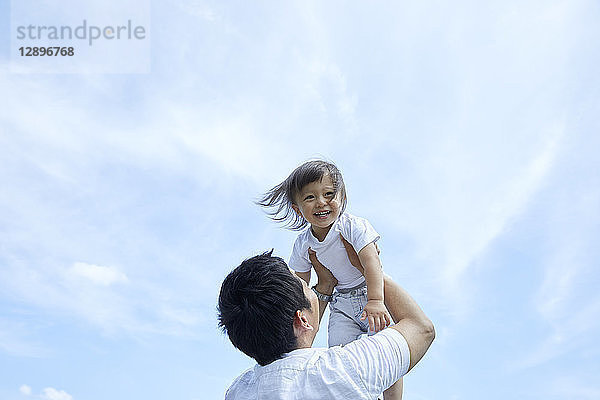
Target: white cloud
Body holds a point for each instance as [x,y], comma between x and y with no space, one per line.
[464,197]
[166,308]
[552,298]
[569,334]
[565,303]
[18,338]
[327,86]
[97,274]
[50,393]
[199,9]
[566,299]
[510,198]
[25,390]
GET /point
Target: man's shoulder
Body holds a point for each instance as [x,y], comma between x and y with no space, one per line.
[281,376]
[386,346]
[239,388]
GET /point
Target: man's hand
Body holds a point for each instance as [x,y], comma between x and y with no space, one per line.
[353,257]
[377,315]
[325,279]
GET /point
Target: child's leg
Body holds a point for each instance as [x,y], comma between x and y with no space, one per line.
[394,392]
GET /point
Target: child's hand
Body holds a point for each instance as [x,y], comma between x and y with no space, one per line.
[377,315]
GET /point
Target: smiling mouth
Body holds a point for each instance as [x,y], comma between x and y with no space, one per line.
[322,214]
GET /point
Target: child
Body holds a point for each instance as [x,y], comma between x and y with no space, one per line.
[314,194]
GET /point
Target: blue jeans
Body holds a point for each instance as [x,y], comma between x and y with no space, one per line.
[345,309]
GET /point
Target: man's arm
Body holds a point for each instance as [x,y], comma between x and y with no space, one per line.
[305,276]
[325,280]
[413,324]
[324,286]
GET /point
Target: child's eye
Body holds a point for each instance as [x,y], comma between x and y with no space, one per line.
[309,197]
[329,194]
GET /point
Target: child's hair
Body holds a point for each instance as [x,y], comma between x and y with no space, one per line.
[280,198]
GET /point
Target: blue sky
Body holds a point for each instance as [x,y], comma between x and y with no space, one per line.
[467,133]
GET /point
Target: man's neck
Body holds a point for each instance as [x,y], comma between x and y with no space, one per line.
[305,342]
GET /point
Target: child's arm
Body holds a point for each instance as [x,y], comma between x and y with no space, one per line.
[374,310]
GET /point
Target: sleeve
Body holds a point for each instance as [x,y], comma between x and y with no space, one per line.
[380,360]
[299,259]
[359,232]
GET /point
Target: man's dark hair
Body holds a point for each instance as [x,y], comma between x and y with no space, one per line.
[257,304]
[279,199]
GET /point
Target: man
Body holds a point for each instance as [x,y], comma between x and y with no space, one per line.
[273,316]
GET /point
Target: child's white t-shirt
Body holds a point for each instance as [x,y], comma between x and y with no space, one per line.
[331,251]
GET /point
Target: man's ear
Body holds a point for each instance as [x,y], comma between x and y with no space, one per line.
[301,323]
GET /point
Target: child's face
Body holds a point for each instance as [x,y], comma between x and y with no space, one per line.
[318,203]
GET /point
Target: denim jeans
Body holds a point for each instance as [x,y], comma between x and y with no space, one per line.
[345,309]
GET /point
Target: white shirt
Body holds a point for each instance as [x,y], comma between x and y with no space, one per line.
[331,251]
[362,369]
